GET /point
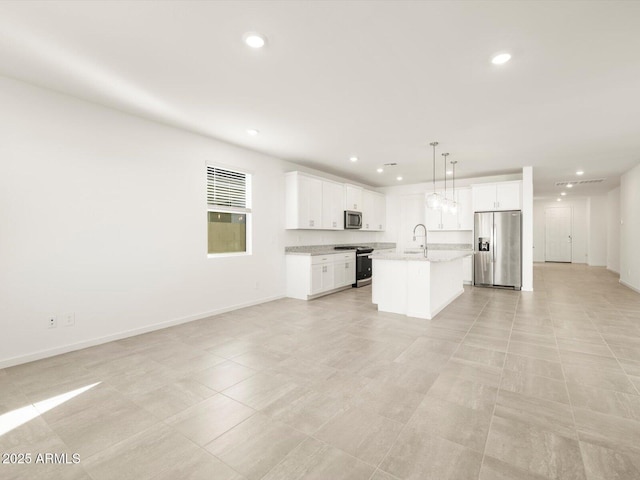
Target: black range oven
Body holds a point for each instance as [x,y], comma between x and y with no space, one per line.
[363,264]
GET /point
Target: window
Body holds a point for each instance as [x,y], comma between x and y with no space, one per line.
[228,211]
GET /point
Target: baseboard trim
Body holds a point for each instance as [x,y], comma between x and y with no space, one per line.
[39,355]
[445,304]
[629,286]
[614,271]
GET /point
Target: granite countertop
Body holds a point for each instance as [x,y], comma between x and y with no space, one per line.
[418,255]
[327,249]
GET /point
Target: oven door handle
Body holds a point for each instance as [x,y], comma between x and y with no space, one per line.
[363,254]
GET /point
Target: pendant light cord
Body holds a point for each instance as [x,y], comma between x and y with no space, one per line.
[434,144]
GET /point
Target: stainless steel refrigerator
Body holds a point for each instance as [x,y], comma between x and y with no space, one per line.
[498,249]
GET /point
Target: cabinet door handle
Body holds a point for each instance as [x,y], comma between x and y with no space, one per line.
[335,224]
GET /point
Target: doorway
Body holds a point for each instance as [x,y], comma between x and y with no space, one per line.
[558,234]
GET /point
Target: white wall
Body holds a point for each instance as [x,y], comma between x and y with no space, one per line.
[579,227]
[104,214]
[630,228]
[613,230]
[597,225]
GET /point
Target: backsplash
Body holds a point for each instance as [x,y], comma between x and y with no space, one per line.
[450,246]
[330,237]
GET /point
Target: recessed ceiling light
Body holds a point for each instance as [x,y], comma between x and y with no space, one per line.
[449,172]
[253,132]
[399,178]
[254,40]
[558,199]
[569,185]
[353,159]
[500,58]
[380,170]
[563,193]
[579,172]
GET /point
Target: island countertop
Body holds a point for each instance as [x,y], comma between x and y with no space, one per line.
[417,256]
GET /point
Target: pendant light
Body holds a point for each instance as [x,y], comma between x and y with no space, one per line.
[445,201]
[434,200]
[453,206]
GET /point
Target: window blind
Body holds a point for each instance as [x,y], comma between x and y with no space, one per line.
[226,188]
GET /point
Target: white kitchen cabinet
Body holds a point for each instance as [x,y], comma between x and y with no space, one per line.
[509,196]
[484,197]
[353,197]
[368,210]
[467,270]
[332,205]
[344,271]
[496,196]
[313,203]
[380,211]
[321,278]
[303,201]
[450,220]
[465,209]
[374,211]
[309,276]
[433,219]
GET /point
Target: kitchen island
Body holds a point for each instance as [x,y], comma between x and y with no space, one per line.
[414,285]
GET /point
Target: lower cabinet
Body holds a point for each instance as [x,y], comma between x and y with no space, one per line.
[467,270]
[309,276]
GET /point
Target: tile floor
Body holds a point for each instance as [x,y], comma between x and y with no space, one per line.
[500,385]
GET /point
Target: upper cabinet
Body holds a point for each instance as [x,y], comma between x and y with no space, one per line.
[353,198]
[465,209]
[332,209]
[314,203]
[374,209]
[497,196]
[461,220]
[303,201]
[380,211]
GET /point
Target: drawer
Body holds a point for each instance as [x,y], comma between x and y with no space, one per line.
[332,258]
[321,259]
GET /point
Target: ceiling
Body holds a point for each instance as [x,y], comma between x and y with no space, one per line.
[379,80]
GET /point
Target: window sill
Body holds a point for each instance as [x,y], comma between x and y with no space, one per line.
[231,254]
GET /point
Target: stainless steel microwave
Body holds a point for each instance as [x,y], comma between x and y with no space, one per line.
[352,220]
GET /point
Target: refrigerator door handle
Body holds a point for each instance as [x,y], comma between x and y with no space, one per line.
[494,246]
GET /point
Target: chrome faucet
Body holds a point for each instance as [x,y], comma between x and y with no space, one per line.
[425,237]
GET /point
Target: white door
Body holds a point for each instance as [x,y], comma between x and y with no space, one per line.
[557,234]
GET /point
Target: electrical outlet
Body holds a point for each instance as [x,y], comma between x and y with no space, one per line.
[68,319]
[52,322]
